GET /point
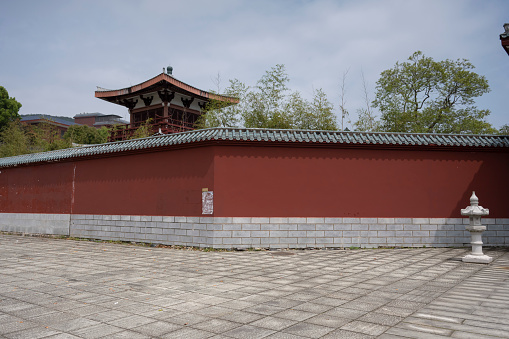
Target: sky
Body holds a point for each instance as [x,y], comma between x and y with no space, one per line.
[53,53]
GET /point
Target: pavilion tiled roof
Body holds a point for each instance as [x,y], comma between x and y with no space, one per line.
[256,135]
[110,94]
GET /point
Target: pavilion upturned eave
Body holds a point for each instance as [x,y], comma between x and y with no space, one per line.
[162,80]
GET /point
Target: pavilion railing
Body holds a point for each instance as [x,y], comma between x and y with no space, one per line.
[163,125]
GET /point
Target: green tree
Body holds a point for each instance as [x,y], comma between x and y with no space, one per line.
[44,137]
[144,130]
[14,140]
[366,121]
[9,108]
[504,130]
[322,115]
[82,134]
[270,104]
[219,113]
[266,104]
[426,96]
[17,138]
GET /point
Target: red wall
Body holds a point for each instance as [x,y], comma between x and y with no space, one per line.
[318,182]
[264,181]
[159,183]
[36,189]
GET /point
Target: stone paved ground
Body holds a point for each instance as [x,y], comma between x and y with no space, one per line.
[56,288]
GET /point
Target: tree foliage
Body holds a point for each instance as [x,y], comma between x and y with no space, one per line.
[504,130]
[144,130]
[9,108]
[14,140]
[221,113]
[426,96]
[17,138]
[82,134]
[270,104]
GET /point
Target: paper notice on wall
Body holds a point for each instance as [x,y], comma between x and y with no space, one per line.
[207,202]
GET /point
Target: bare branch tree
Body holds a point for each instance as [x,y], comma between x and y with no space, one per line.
[367,120]
[342,99]
[367,102]
[217,82]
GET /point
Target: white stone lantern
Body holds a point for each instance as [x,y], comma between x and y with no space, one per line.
[475,212]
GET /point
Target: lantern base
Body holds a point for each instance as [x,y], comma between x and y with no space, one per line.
[478,259]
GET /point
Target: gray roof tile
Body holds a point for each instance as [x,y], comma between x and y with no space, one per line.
[259,135]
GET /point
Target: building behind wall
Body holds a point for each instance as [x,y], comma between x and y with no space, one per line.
[59,123]
[99,120]
[167,104]
[265,188]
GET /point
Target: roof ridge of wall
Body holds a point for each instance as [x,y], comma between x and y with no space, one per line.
[265,135]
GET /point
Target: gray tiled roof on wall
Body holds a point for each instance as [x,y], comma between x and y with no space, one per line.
[266,135]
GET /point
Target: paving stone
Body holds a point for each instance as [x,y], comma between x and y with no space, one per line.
[108,315]
[328,320]
[187,332]
[381,319]
[343,334]
[329,301]
[264,309]
[364,327]
[118,291]
[312,307]
[360,305]
[237,304]
[127,334]
[308,330]
[469,335]
[73,325]
[156,329]
[242,317]
[63,336]
[446,326]
[284,303]
[282,335]
[97,331]
[214,311]
[131,321]
[414,333]
[345,313]
[425,327]
[31,333]
[401,312]
[216,325]
[55,317]
[249,332]
[294,315]
[273,323]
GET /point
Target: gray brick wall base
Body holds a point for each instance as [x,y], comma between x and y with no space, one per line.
[35,223]
[232,232]
[218,232]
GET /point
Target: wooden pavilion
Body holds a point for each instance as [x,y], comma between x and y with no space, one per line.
[169,105]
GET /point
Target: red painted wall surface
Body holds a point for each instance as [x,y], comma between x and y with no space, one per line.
[36,189]
[318,182]
[159,183]
[264,181]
